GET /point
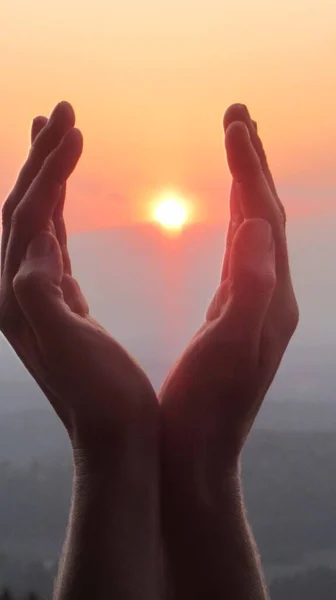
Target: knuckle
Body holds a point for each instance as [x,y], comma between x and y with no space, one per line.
[265,281]
[28,280]
[7,211]
[18,217]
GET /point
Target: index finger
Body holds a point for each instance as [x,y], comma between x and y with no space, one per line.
[47,136]
[37,207]
[236,219]
[256,196]
[58,217]
[239,112]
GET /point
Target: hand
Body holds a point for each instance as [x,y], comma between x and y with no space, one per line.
[214,392]
[99,392]
[104,399]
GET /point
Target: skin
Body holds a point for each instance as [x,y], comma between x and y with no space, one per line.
[209,400]
[214,392]
[103,398]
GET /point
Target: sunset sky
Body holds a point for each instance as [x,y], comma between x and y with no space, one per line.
[150,82]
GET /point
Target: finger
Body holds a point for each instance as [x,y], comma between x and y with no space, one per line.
[37,126]
[239,112]
[60,231]
[252,278]
[37,289]
[61,120]
[73,296]
[46,139]
[236,219]
[59,225]
[256,198]
[36,210]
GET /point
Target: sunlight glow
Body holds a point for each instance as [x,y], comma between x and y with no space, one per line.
[171,212]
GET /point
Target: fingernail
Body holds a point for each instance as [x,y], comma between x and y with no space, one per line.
[255,125]
[42,245]
[260,236]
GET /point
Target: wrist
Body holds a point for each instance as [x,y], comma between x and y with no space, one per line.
[203,466]
[116,458]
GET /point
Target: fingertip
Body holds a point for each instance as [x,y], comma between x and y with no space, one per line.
[238,128]
[63,160]
[38,124]
[67,110]
[237,136]
[63,111]
[242,157]
[77,134]
[75,138]
[236,112]
[40,120]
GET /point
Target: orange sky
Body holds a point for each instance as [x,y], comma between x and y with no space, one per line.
[150,81]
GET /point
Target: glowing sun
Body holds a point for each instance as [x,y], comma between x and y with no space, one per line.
[171,213]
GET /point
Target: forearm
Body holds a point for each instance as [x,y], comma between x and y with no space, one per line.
[210,549]
[111,548]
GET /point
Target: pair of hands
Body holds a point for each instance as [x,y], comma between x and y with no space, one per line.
[95,387]
[211,397]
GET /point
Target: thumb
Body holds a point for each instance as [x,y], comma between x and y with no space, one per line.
[252,274]
[37,287]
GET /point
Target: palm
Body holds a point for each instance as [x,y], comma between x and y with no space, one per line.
[106,377]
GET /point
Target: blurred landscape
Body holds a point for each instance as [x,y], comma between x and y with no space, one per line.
[289,460]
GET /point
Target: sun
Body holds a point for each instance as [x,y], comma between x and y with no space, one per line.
[171,213]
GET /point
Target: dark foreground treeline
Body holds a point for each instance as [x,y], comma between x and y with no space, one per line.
[6,594]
